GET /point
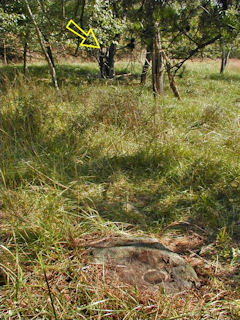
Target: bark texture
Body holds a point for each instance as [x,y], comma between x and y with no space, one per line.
[224,59]
[49,50]
[157,63]
[4,52]
[81,23]
[110,61]
[107,62]
[171,79]
[146,64]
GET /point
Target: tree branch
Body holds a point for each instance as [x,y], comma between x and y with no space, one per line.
[194,51]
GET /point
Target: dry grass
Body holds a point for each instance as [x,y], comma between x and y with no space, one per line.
[104,161]
[234,65]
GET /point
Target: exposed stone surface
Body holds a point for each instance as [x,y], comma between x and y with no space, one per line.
[147,263]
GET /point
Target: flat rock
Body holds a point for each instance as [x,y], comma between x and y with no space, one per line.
[147,263]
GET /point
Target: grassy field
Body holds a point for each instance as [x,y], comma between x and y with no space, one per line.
[107,159]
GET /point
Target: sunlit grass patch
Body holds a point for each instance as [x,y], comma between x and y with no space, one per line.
[106,159]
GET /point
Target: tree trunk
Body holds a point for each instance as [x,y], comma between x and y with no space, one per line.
[157,63]
[107,63]
[4,52]
[224,59]
[171,79]
[63,10]
[110,61]
[81,25]
[77,47]
[25,57]
[48,45]
[102,64]
[146,64]
[49,49]
[39,35]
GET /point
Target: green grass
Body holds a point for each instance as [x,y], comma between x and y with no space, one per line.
[71,165]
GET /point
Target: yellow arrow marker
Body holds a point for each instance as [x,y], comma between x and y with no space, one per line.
[86,34]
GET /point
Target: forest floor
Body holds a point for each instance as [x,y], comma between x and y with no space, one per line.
[106,159]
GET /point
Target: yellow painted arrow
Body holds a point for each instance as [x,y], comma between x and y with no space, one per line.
[86,34]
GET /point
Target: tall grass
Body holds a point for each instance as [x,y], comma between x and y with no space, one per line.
[71,166]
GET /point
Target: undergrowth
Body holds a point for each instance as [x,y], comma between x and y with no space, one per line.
[107,159]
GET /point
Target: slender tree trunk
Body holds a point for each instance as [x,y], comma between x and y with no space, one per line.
[48,45]
[81,25]
[224,59]
[25,57]
[63,9]
[77,47]
[171,79]
[157,63]
[49,49]
[40,39]
[150,55]
[146,64]
[4,52]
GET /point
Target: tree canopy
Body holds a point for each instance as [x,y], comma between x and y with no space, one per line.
[184,28]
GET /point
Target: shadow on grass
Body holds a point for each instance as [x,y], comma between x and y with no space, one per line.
[72,74]
[214,202]
[226,77]
[196,190]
